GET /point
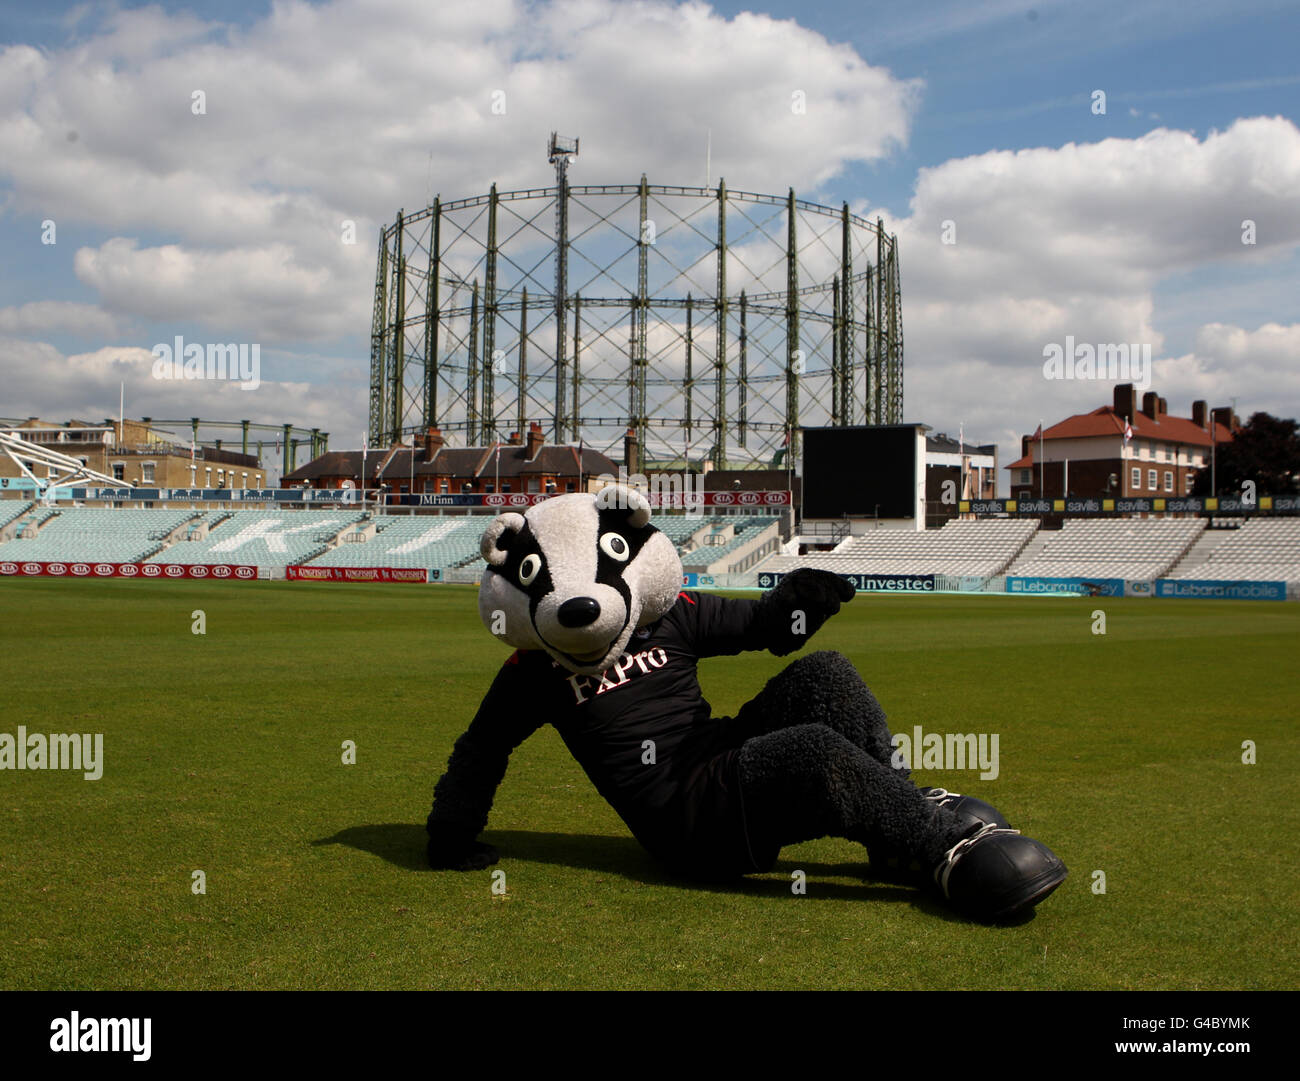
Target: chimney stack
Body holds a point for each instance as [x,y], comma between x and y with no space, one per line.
[433,442]
[514,440]
[631,452]
[535,440]
[1151,405]
[1225,416]
[1200,414]
[1126,400]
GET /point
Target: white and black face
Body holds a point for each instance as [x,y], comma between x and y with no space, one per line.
[576,575]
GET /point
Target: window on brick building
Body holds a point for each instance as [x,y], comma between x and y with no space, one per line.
[1151,479]
[1137,478]
[1169,480]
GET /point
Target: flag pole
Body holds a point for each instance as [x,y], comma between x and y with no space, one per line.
[1042,461]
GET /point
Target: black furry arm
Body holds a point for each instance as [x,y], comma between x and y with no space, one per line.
[791,612]
[463,795]
[782,620]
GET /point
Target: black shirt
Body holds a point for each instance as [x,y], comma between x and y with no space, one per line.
[641,731]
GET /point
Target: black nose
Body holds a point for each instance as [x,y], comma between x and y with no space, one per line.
[579,611]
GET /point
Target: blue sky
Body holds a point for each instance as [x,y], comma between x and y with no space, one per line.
[1121,226]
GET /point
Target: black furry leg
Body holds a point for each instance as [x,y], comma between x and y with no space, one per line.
[809,781]
[826,688]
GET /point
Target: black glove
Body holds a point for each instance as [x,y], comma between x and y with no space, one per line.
[799,604]
[451,850]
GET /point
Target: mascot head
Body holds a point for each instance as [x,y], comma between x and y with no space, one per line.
[576,575]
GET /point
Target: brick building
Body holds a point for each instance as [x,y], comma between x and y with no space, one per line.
[1121,450]
[135,452]
[528,465]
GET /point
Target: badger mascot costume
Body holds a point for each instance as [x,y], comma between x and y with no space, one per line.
[589,593]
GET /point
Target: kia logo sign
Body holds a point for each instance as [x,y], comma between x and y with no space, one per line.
[8,568]
[104,570]
[721,499]
[221,571]
[152,570]
[520,500]
[80,568]
[173,570]
[245,572]
[128,570]
[775,498]
[31,568]
[494,500]
[57,568]
[747,498]
[198,571]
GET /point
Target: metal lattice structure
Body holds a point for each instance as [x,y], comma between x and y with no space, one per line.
[713,323]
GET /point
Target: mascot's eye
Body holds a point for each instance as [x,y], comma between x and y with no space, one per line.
[529,569]
[614,546]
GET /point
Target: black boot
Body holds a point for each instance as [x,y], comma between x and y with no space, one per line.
[997,873]
[893,865]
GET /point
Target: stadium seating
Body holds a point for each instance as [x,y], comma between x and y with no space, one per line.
[960,548]
[13,511]
[1263,549]
[680,528]
[742,530]
[267,539]
[91,535]
[1110,548]
[409,542]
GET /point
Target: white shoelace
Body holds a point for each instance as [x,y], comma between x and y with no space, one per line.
[953,854]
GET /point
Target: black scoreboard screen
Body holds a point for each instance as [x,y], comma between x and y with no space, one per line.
[865,472]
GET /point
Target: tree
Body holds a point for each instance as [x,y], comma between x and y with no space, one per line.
[1266,450]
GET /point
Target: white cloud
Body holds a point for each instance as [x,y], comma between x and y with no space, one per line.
[318,114]
[42,381]
[58,317]
[1073,241]
[261,294]
[1260,368]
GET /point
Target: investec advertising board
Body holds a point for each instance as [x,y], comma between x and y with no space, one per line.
[872,583]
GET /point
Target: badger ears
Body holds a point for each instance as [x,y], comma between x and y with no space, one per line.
[621,497]
[497,538]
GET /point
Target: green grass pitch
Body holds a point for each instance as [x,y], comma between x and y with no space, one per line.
[223,754]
